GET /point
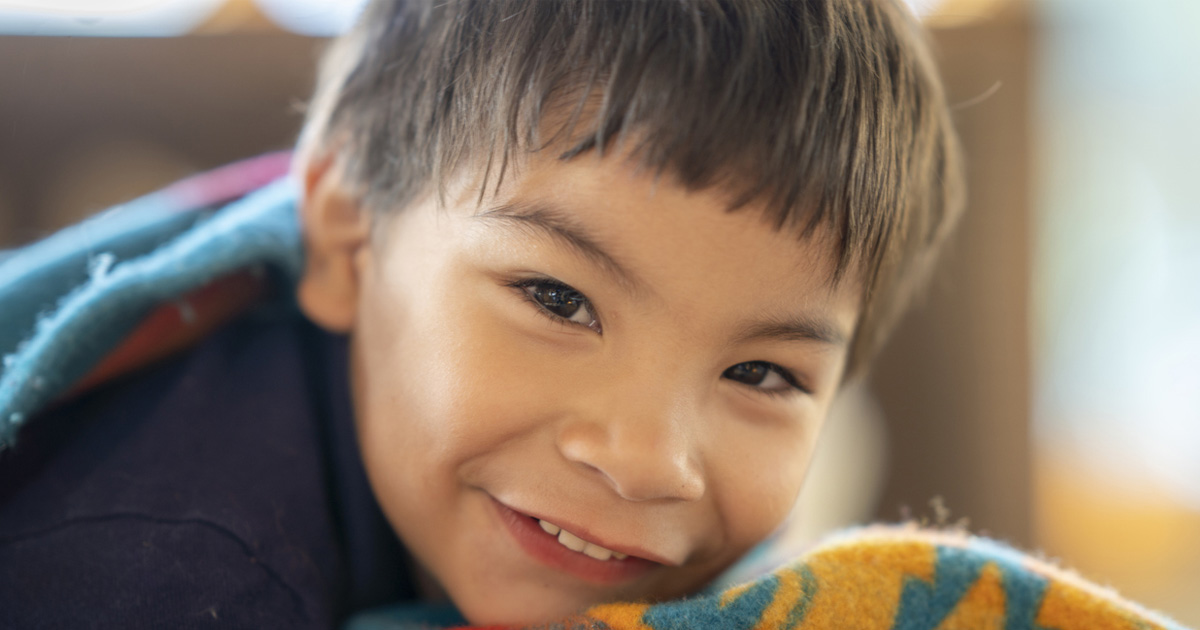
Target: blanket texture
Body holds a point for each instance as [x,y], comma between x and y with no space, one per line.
[151,276]
[878,578]
[70,300]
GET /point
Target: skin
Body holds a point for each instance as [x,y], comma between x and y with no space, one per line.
[624,420]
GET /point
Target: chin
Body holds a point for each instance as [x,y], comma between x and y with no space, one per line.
[503,611]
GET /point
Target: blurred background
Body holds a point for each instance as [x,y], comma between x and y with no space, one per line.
[1045,392]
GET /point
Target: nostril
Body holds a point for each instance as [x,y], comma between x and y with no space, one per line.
[638,464]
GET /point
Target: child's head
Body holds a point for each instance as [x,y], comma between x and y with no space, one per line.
[606,263]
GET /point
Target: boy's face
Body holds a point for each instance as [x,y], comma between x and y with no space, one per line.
[609,353]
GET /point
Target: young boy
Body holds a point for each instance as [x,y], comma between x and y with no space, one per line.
[587,277]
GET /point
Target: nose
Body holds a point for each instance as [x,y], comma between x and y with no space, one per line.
[644,451]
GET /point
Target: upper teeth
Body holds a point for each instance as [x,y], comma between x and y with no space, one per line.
[575,543]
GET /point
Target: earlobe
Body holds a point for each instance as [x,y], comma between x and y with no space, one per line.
[336,238]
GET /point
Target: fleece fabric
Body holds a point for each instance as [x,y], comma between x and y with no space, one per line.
[221,486]
[69,300]
[878,578]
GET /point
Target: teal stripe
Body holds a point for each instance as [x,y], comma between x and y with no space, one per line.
[808,591]
[924,605]
[742,613]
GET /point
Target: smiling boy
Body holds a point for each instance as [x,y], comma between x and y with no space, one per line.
[603,267]
[625,322]
[596,351]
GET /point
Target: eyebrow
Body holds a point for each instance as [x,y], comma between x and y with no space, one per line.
[802,328]
[557,224]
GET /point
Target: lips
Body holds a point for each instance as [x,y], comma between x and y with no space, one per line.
[569,553]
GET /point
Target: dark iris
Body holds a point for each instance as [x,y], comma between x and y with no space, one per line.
[561,301]
[752,373]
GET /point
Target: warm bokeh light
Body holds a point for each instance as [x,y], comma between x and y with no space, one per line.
[164,18]
[318,18]
[109,18]
[951,13]
[1117,313]
[312,17]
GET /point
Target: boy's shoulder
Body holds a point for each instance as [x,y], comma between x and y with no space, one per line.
[222,484]
[193,485]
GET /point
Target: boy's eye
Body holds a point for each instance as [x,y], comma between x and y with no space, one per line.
[762,375]
[560,302]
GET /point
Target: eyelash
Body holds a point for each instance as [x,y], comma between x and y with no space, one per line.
[794,386]
[524,286]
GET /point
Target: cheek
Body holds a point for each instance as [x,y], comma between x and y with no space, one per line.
[760,473]
[442,372]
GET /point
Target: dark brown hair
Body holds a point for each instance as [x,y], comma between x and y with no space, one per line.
[828,113]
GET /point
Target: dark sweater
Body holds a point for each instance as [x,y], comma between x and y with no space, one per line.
[222,488]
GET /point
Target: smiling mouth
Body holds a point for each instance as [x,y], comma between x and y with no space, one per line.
[556,548]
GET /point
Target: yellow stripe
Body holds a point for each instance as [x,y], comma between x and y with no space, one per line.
[1070,608]
[860,584]
[733,593]
[621,616]
[787,595]
[983,605]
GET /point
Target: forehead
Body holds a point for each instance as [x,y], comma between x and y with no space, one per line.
[671,245]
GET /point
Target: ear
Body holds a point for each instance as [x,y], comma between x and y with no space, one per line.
[336,238]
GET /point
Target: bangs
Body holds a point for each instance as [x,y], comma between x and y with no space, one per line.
[826,113]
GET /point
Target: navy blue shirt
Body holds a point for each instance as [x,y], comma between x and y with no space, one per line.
[220,488]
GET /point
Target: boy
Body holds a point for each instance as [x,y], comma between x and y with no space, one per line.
[602,267]
[596,259]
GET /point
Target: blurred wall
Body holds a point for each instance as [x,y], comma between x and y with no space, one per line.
[1117,297]
[89,122]
[954,381]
